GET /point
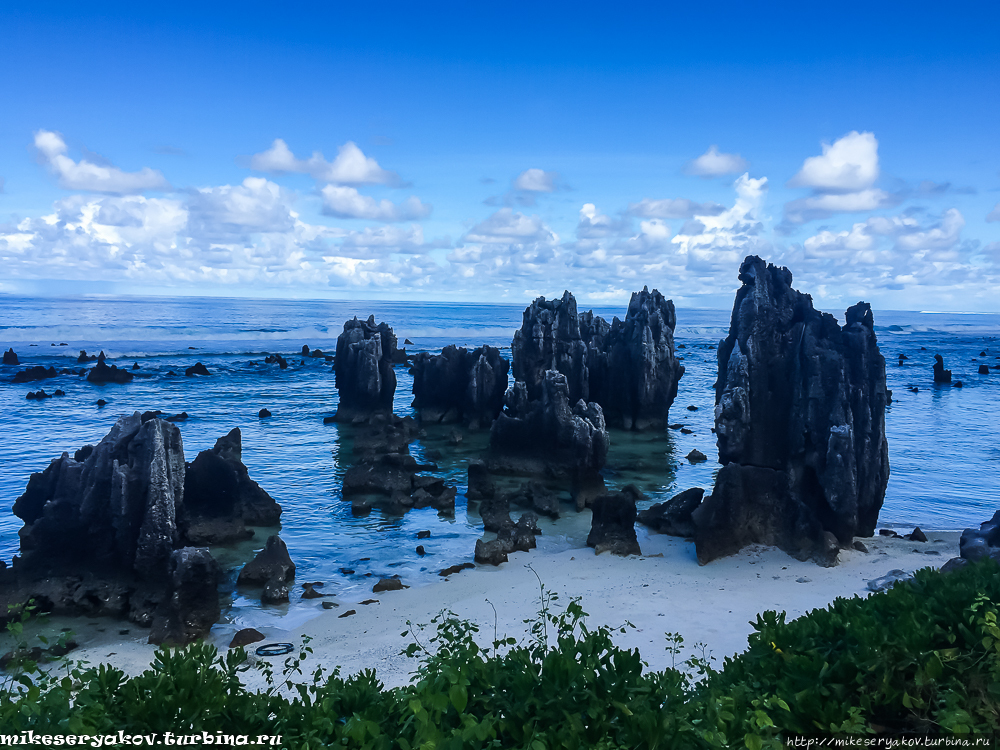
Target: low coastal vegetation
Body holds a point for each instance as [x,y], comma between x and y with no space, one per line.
[922,658]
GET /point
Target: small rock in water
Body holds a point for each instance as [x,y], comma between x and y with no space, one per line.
[263,414]
[420,550]
[135,365]
[686,431]
[696,456]
[101,402]
[347,571]
[984,369]
[423,535]
[957,384]
[310,592]
[197,369]
[330,605]
[692,408]
[889,533]
[407,342]
[10,357]
[59,392]
[675,426]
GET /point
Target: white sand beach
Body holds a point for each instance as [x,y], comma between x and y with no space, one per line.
[665,590]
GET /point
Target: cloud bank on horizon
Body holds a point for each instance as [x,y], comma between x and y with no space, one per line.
[136,228]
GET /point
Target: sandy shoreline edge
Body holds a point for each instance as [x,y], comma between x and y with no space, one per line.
[665,590]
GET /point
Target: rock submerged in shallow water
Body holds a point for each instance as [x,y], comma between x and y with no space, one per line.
[34,373]
[800,420]
[613,526]
[271,564]
[104,373]
[549,436]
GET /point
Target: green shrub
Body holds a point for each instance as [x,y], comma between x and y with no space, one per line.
[921,658]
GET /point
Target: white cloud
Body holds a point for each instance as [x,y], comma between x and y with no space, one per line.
[824,205]
[594,225]
[257,205]
[346,203]
[91,177]
[390,240]
[673,208]
[351,167]
[536,181]
[850,163]
[828,244]
[993,215]
[510,227]
[943,236]
[712,163]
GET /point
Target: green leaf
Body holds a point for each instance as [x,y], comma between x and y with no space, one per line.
[459,697]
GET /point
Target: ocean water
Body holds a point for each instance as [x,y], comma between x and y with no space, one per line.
[944,442]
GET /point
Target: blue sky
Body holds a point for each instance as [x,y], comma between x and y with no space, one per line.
[496,153]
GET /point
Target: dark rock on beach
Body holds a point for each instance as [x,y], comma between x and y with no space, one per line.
[245,637]
[674,516]
[365,379]
[460,386]
[388,584]
[101,535]
[492,552]
[192,606]
[800,420]
[10,357]
[613,526]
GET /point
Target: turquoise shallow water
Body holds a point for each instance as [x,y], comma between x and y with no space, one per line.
[944,443]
